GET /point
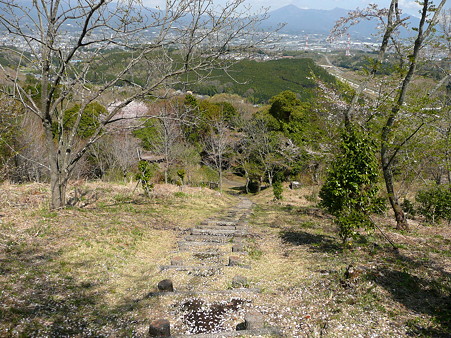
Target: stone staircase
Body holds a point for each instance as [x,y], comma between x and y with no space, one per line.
[204,253]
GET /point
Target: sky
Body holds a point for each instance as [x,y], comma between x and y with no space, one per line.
[408,6]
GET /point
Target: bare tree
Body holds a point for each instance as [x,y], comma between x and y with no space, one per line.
[264,147]
[218,144]
[124,149]
[396,106]
[168,134]
[117,151]
[10,121]
[65,41]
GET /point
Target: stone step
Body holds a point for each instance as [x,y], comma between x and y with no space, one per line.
[207,238]
[219,222]
[219,250]
[244,206]
[265,332]
[207,254]
[222,227]
[190,245]
[206,292]
[218,232]
[191,268]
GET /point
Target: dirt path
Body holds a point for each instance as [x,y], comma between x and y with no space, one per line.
[206,280]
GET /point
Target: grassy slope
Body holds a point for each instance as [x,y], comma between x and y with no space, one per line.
[87,270]
[81,270]
[304,264]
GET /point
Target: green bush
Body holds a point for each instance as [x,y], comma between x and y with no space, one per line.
[145,173]
[379,205]
[435,203]
[348,220]
[254,186]
[180,194]
[181,173]
[277,189]
[350,190]
[408,208]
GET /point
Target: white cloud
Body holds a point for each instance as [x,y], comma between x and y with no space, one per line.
[409,4]
[154,3]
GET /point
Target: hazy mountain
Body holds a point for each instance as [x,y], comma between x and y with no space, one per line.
[407,6]
[317,21]
[298,21]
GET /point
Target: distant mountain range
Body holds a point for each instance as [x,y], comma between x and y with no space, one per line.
[298,21]
[317,21]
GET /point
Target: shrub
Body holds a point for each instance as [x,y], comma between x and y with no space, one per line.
[408,208]
[348,220]
[277,189]
[349,192]
[181,173]
[145,174]
[180,194]
[435,203]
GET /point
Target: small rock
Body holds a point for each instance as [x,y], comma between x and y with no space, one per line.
[239,247]
[239,282]
[254,321]
[352,273]
[160,328]
[177,261]
[295,185]
[234,261]
[166,286]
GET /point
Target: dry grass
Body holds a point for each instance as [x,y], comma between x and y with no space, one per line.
[81,271]
[303,264]
[88,270]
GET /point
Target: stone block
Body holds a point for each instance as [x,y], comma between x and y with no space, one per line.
[177,261]
[165,286]
[295,185]
[239,282]
[234,261]
[239,247]
[160,328]
[254,321]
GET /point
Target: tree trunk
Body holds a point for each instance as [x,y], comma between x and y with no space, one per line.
[401,220]
[220,180]
[58,187]
[269,179]
[386,158]
[246,186]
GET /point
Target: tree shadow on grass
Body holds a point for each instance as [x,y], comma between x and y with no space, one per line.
[40,299]
[420,295]
[319,243]
[240,190]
